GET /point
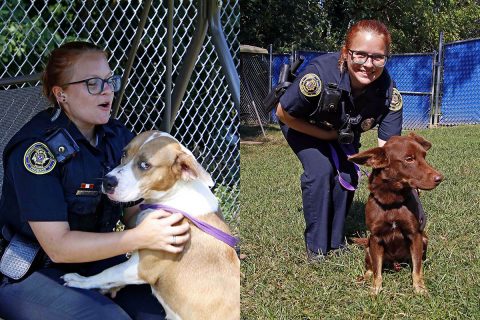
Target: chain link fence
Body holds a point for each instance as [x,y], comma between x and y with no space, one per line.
[207,122]
[254,67]
[460,99]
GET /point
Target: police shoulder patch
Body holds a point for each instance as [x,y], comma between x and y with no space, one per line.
[310,85]
[38,159]
[397,100]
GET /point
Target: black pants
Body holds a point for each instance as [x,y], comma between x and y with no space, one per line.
[325,201]
[42,295]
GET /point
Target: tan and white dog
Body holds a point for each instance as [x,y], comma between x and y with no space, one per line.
[201,282]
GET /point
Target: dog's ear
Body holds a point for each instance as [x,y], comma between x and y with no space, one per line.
[424,143]
[375,158]
[191,169]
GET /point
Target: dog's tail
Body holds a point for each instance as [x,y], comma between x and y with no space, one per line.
[360,241]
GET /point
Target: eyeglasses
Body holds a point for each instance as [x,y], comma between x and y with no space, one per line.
[96,85]
[361,57]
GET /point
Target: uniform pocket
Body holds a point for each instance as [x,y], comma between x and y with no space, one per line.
[82,212]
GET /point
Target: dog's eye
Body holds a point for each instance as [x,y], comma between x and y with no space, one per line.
[409,158]
[144,165]
[124,154]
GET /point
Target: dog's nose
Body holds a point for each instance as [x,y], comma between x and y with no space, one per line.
[109,183]
[438,179]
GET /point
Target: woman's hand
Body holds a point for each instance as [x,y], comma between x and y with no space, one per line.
[161,230]
[155,232]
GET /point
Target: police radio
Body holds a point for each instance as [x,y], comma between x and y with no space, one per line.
[345,133]
[326,114]
[327,108]
[62,145]
[330,97]
[285,79]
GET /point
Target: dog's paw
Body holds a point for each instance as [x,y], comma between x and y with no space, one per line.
[375,291]
[420,289]
[419,284]
[368,275]
[377,284]
[75,280]
[365,277]
[112,291]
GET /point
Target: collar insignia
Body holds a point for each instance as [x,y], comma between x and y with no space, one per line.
[38,159]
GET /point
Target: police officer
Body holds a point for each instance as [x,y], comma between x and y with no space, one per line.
[53,214]
[322,115]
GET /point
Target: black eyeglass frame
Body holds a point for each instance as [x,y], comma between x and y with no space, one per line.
[102,87]
[371,56]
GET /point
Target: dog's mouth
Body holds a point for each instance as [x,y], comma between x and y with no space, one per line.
[118,194]
[120,198]
[427,185]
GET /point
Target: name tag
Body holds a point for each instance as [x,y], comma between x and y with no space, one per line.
[88,193]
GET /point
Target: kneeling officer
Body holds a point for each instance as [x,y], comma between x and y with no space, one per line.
[322,115]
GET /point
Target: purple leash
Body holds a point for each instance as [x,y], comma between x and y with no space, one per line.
[211,230]
[344,183]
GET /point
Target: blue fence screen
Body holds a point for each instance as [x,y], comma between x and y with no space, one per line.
[413,75]
[460,102]
[278,61]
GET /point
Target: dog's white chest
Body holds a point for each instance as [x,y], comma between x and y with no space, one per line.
[394,225]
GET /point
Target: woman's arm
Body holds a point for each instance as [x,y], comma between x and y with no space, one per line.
[304,126]
[130,215]
[155,232]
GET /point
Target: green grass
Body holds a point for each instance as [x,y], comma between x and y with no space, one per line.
[278,283]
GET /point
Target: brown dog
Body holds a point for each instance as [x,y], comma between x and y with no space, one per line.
[398,168]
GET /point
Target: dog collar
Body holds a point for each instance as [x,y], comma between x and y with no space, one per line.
[211,230]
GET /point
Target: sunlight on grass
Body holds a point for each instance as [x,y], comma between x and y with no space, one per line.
[277,283]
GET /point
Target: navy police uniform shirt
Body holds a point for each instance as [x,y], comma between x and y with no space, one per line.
[380,103]
[38,188]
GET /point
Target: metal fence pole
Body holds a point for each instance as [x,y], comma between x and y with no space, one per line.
[189,60]
[270,67]
[436,114]
[21,79]
[221,48]
[167,113]
[432,90]
[131,56]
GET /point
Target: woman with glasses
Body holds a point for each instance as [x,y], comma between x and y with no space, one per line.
[322,115]
[53,214]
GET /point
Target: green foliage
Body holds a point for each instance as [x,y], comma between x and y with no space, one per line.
[26,30]
[227,205]
[320,25]
[278,283]
[284,24]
